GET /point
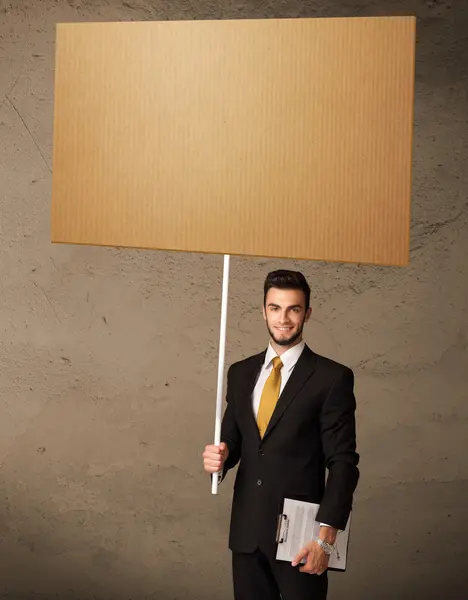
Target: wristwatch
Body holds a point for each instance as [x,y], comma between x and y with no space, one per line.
[326,547]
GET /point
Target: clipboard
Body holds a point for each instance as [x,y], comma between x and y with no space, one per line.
[297,526]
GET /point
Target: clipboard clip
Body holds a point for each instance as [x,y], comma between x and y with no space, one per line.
[282,528]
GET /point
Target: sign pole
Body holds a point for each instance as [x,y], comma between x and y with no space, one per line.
[222,353]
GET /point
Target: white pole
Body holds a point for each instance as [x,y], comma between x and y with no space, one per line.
[222,352]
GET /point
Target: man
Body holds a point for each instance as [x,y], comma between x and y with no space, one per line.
[290,415]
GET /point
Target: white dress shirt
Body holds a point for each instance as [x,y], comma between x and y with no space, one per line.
[289,360]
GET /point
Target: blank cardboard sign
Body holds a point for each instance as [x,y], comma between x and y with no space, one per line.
[288,138]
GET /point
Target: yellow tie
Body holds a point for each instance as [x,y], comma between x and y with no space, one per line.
[270,395]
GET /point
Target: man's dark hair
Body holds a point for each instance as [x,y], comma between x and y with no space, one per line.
[287,280]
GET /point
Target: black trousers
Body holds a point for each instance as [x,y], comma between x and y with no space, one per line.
[257,576]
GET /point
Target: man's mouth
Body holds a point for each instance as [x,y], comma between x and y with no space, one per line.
[284,328]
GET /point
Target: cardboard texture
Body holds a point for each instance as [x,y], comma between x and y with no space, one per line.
[278,138]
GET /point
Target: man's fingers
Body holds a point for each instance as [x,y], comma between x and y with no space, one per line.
[211,456]
[313,566]
[212,450]
[308,567]
[317,560]
[213,465]
[309,570]
[214,457]
[299,556]
[212,468]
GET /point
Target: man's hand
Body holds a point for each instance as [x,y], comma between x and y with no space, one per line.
[317,559]
[214,457]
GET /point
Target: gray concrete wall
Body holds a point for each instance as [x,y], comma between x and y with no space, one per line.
[102,493]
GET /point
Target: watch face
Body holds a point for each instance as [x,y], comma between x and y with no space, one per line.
[328,548]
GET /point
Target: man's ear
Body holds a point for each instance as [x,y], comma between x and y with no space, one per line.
[308,313]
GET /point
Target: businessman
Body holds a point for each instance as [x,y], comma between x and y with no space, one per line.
[290,418]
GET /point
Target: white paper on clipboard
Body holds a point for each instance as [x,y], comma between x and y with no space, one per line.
[297,527]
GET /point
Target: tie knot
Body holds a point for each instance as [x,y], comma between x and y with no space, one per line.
[277,364]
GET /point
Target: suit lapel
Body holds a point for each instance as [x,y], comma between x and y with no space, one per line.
[249,379]
[304,368]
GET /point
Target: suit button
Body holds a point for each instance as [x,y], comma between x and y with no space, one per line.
[261,452]
[259,482]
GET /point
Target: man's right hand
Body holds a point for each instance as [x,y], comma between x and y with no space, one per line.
[214,457]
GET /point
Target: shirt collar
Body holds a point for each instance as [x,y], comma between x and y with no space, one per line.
[288,358]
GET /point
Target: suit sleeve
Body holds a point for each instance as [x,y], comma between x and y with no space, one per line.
[230,432]
[338,435]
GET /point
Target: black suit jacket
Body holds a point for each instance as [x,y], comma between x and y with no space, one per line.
[312,429]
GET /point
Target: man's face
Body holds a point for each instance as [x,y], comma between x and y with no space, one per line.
[285,315]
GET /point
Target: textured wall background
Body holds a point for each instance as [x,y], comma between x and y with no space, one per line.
[108,357]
